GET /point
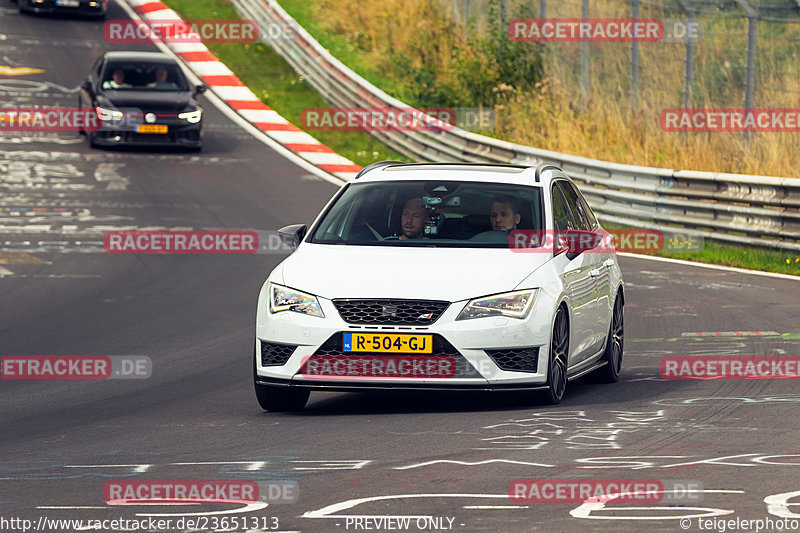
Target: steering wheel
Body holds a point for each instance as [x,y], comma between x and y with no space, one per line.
[373,230]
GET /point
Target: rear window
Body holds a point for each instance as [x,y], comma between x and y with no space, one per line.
[430,213]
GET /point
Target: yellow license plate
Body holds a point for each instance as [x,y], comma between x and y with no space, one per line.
[151,128]
[387,343]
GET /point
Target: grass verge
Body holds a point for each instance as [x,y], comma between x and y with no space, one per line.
[281,88]
[722,253]
[278,86]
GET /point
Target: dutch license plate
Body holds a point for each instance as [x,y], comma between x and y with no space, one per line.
[68,3]
[387,343]
[151,128]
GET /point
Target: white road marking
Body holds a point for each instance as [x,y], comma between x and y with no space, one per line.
[253,506]
[69,507]
[471,463]
[727,333]
[709,266]
[327,512]
[496,507]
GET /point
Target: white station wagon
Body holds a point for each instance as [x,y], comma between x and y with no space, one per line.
[413,277]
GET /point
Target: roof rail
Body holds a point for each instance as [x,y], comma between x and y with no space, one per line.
[541,167]
[377,165]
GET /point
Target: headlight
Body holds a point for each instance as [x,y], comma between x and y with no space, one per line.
[286,299]
[515,304]
[192,117]
[108,114]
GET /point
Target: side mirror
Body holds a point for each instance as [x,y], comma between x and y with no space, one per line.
[87,86]
[293,235]
[575,242]
[200,89]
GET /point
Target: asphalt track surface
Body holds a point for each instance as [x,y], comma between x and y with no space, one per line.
[450,457]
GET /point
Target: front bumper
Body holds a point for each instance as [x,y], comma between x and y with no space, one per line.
[179,133]
[339,386]
[473,345]
[96,8]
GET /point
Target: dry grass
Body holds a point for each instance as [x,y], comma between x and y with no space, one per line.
[551,115]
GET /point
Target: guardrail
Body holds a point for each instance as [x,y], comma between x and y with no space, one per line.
[750,210]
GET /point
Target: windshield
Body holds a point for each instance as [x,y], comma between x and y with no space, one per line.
[430,213]
[138,76]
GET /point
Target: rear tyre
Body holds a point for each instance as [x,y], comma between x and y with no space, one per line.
[609,373]
[557,359]
[276,398]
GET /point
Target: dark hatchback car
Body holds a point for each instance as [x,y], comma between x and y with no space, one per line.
[92,8]
[143,99]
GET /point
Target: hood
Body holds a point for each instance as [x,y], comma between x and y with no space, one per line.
[451,274]
[148,101]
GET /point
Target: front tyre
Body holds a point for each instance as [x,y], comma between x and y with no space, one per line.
[557,359]
[276,398]
[609,373]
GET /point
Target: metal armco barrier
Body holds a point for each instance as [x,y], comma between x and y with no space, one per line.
[749,210]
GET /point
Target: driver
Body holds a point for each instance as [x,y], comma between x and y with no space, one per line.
[412,220]
[117,80]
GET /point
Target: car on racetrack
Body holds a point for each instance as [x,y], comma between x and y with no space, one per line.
[92,8]
[143,99]
[410,278]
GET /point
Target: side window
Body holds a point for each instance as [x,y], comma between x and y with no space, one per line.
[578,214]
[98,67]
[583,207]
[561,218]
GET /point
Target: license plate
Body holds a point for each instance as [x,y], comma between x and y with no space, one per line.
[387,343]
[151,128]
[68,3]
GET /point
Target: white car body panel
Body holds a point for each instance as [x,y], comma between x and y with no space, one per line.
[586,284]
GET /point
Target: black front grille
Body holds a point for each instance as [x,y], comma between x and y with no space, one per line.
[275,354]
[516,359]
[394,312]
[333,346]
[189,135]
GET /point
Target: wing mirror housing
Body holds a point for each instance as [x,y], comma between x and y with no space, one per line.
[293,235]
[575,242]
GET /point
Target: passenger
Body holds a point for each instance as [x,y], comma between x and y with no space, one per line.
[505,213]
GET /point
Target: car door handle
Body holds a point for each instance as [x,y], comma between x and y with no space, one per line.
[594,272]
[608,263]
